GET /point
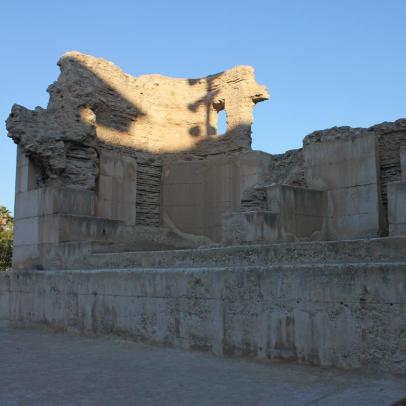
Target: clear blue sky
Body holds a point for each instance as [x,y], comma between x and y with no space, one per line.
[325,62]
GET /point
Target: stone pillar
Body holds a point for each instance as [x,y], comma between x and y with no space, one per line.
[346,166]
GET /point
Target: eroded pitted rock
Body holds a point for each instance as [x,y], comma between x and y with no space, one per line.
[62,148]
[94,103]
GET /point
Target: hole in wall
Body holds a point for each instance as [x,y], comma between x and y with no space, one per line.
[221,122]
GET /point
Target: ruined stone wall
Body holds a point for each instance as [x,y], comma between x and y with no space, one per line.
[343,315]
[95,106]
[94,102]
[162,124]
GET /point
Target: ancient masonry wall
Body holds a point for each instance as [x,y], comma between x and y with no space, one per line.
[391,136]
[148,203]
[350,316]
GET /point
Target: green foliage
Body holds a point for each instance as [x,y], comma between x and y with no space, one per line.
[6,238]
[6,254]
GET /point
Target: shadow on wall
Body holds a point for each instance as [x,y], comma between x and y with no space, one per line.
[210,105]
[94,103]
[80,88]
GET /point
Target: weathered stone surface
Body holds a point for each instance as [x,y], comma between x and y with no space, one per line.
[187,175]
[403,161]
[94,101]
[290,214]
[59,145]
[197,193]
[397,208]
[345,315]
[116,165]
[109,133]
[283,169]
[390,137]
[321,252]
[344,162]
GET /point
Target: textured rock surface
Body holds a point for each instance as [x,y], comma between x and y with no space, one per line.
[389,136]
[345,315]
[94,102]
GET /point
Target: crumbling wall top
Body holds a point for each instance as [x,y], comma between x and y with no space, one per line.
[94,102]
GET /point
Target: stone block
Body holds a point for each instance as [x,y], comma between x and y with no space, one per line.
[354,200]
[36,230]
[341,163]
[296,200]
[81,228]
[105,187]
[27,257]
[185,172]
[178,194]
[117,187]
[4,297]
[54,200]
[309,227]
[352,226]
[26,173]
[266,226]
[251,227]
[191,220]
[347,167]
[397,208]
[302,212]
[204,190]
[47,256]
[403,161]
[63,228]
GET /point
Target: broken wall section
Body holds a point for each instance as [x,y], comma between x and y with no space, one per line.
[104,138]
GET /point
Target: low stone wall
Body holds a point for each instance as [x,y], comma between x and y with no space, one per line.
[344,315]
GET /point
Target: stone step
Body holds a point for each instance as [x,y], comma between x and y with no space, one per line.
[388,249]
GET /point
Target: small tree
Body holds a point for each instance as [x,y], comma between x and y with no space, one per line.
[6,238]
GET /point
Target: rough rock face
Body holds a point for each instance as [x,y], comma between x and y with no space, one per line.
[60,145]
[93,102]
[334,133]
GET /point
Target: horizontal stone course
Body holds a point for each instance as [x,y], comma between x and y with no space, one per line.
[364,250]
